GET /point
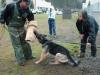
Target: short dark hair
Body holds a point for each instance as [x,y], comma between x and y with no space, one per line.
[84,14]
[23,0]
[19,1]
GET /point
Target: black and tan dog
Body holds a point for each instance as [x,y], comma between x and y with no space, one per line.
[61,54]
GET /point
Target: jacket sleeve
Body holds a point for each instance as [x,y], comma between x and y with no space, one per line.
[91,32]
[30,15]
[97,26]
[2,18]
[6,13]
[79,26]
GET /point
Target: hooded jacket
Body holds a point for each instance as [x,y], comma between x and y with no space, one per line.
[89,27]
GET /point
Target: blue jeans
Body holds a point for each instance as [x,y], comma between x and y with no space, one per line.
[52,26]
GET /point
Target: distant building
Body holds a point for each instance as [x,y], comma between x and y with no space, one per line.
[3,3]
[9,1]
[42,4]
[93,8]
[92,5]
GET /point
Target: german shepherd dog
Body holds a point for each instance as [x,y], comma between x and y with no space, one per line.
[51,46]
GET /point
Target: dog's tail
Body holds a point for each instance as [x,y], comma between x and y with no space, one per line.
[72,61]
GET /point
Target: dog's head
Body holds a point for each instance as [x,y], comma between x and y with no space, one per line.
[41,37]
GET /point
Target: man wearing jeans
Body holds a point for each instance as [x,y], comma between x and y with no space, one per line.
[51,22]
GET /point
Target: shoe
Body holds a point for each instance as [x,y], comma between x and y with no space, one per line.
[81,55]
[21,64]
[93,55]
[93,58]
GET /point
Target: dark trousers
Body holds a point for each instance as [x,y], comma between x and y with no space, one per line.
[52,26]
[83,45]
[21,47]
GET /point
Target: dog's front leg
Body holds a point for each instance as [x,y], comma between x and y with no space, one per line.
[44,56]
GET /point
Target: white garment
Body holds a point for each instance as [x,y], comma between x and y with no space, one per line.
[52,14]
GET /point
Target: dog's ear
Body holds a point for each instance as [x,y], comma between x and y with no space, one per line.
[39,35]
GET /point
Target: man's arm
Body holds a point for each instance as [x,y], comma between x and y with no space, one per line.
[79,26]
[91,32]
[97,26]
[6,13]
[30,16]
[32,25]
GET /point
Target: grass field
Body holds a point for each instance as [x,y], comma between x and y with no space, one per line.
[65,30]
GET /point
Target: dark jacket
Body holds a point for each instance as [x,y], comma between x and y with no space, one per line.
[8,13]
[88,27]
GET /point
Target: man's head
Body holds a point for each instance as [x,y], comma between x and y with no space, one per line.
[82,15]
[24,4]
[51,9]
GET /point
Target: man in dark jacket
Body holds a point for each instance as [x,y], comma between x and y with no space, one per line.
[88,29]
[15,16]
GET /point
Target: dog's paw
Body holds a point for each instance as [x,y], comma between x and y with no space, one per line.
[37,62]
